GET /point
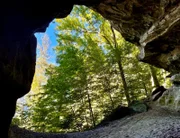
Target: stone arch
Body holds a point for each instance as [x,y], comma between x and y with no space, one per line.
[152,25]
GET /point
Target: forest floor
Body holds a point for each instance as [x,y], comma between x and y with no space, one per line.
[155,123]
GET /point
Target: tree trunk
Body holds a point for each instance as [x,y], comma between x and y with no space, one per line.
[79,124]
[146,92]
[154,76]
[87,121]
[84,103]
[119,62]
[124,82]
[112,102]
[107,86]
[90,109]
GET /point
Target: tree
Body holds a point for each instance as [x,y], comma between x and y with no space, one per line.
[95,72]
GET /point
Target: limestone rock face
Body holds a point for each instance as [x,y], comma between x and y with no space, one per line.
[153,25]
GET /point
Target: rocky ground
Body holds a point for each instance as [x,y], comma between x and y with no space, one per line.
[155,123]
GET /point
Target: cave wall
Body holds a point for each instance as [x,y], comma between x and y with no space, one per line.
[152,25]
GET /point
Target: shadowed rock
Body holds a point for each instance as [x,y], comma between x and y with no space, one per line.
[158,92]
[122,111]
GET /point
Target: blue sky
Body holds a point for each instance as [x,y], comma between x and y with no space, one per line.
[50,31]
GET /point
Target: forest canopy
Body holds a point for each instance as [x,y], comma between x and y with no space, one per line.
[96,70]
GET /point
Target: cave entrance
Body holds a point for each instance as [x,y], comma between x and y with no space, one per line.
[84,70]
